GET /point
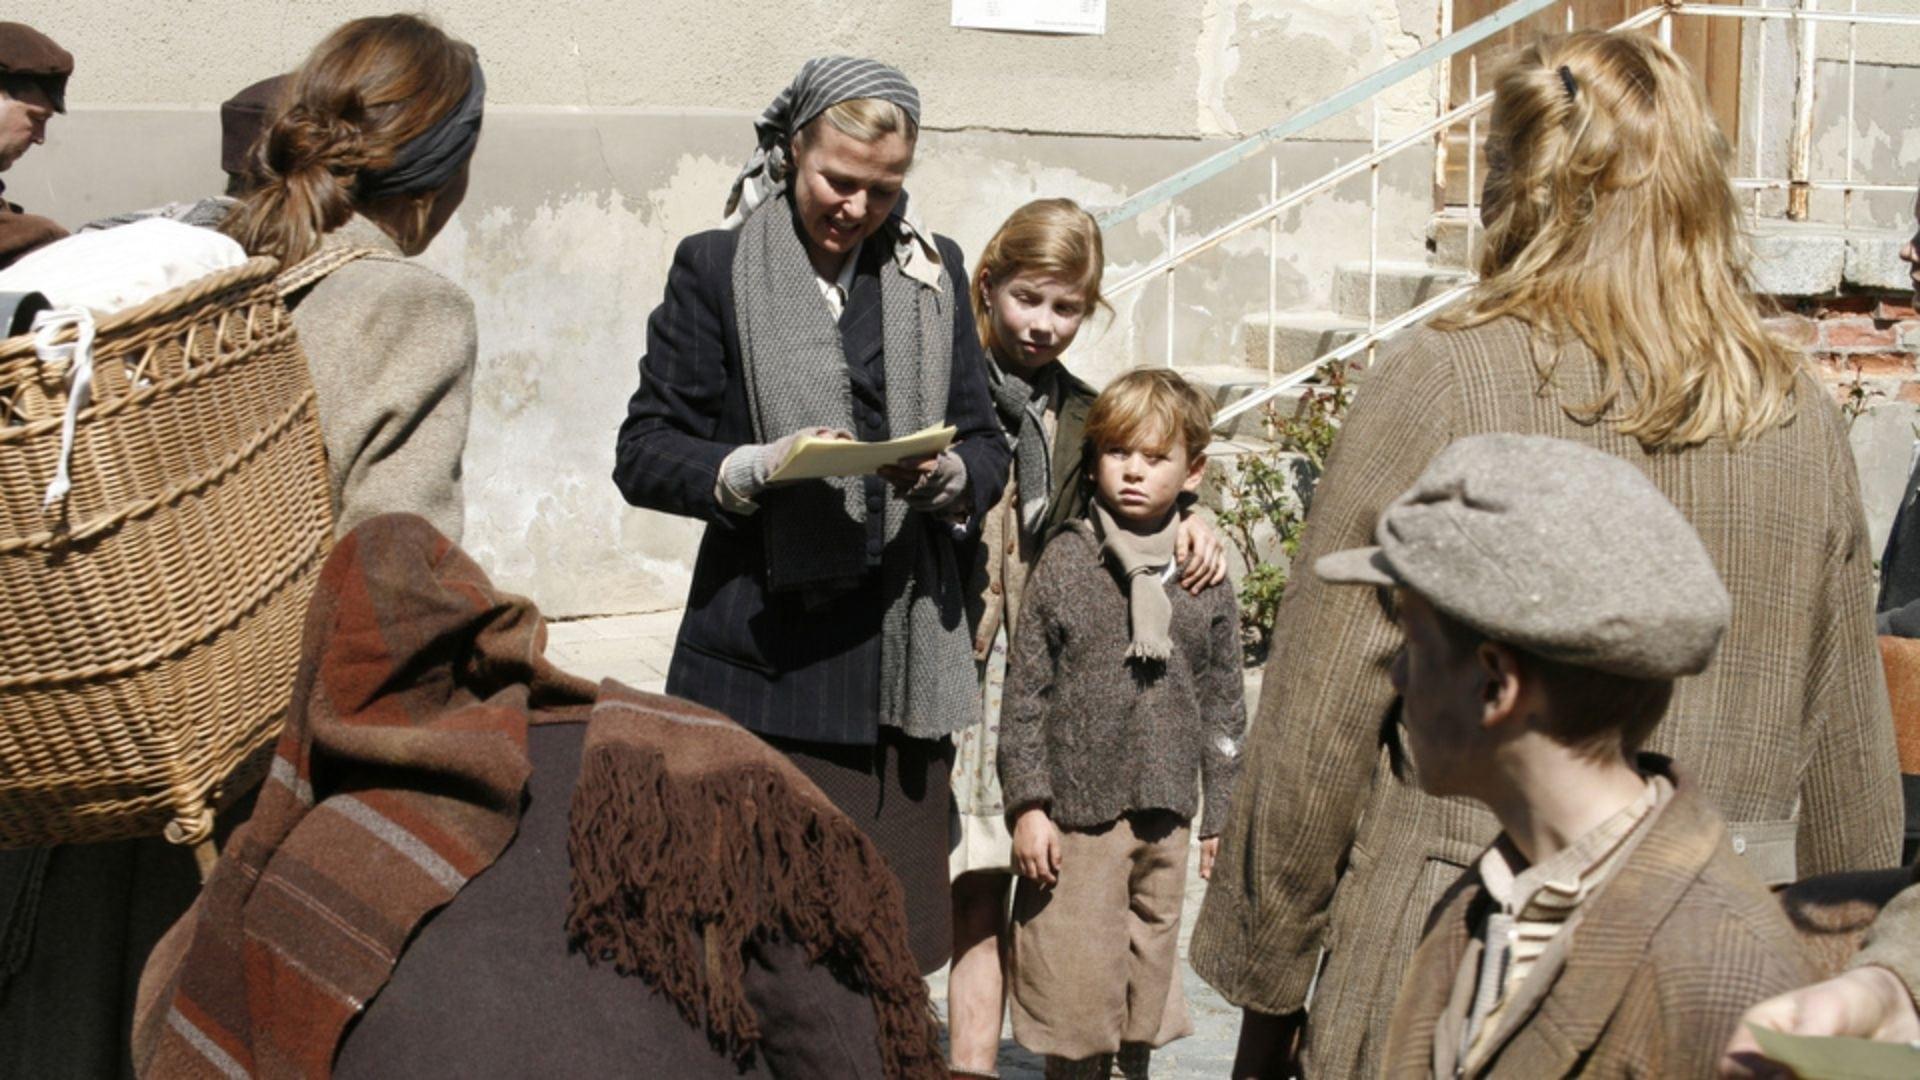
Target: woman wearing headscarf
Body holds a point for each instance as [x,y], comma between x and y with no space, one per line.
[827,615]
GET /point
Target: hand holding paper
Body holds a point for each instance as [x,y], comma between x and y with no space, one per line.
[1855,1026]
[929,485]
[813,458]
[1824,1057]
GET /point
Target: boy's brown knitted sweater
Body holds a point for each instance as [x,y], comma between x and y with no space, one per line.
[1094,735]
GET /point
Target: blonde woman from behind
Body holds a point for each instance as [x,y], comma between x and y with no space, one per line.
[1614,310]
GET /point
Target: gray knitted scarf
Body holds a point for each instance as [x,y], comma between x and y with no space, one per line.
[795,369]
[1022,406]
[1140,559]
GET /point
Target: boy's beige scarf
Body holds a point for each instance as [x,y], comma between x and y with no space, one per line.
[1140,559]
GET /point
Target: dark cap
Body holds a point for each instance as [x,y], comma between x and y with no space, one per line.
[28,53]
[243,116]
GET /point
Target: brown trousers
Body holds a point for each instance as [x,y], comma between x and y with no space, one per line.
[1094,961]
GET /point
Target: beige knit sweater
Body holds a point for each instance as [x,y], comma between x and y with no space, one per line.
[392,346]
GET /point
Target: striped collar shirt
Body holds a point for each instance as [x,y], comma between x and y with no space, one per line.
[1533,904]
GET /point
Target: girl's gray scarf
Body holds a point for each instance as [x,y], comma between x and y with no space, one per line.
[795,369]
[1022,406]
[1140,559]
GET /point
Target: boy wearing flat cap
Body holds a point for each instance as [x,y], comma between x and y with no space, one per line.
[33,86]
[1549,596]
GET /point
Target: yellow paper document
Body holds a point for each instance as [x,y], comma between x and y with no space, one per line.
[813,458]
[1838,1059]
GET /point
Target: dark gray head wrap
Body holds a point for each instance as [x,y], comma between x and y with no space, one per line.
[432,158]
[823,82]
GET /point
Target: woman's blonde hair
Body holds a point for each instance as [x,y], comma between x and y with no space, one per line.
[865,119]
[1610,218]
[1047,236]
[373,85]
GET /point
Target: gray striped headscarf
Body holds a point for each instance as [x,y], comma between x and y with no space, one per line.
[823,82]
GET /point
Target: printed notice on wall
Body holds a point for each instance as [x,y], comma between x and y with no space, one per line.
[1033,16]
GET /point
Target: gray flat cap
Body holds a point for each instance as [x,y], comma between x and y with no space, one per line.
[1552,547]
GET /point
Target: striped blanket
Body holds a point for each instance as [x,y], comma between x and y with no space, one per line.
[400,777]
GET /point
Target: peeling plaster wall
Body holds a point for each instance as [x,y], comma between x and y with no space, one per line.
[1150,74]
[564,242]
[1263,60]
[611,135]
[1886,115]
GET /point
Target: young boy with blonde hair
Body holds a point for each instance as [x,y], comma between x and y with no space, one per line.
[1121,689]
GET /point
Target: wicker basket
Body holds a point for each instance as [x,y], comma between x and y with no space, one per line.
[151,620]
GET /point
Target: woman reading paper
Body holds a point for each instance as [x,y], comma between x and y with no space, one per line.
[827,615]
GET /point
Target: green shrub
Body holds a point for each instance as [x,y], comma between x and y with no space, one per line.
[1269,491]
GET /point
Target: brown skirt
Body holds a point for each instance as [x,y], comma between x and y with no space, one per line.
[899,792]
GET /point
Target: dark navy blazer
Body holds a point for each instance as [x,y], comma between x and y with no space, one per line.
[769,660]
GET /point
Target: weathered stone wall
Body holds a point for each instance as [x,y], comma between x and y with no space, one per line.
[614,130]
[1865,345]
[1885,102]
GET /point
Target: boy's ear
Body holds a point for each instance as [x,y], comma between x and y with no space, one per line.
[1196,472]
[1500,683]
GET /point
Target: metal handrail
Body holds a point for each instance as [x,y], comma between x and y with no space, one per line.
[1734,11]
[1344,172]
[1200,172]
[1351,349]
[1662,11]
[1288,201]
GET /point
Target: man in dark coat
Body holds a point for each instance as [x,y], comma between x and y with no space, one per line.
[33,86]
[1897,612]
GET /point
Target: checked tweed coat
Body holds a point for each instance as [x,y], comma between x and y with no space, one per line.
[1661,962]
[1787,733]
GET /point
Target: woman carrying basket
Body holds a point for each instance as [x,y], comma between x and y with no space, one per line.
[827,615]
[364,163]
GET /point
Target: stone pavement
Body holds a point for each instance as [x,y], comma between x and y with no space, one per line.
[635,649]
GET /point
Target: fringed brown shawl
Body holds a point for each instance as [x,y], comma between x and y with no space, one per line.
[691,837]
[400,776]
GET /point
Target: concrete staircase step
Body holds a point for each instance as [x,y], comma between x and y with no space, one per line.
[1403,287]
[1299,338]
[1792,258]
[1448,236]
[1226,384]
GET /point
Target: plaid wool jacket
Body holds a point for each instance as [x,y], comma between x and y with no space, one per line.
[1787,733]
[1661,962]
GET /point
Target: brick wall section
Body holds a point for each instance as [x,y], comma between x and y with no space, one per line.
[1866,347]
